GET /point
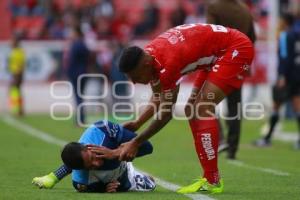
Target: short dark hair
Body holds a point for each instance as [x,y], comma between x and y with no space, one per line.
[288,18]
[130,58]
[71,155]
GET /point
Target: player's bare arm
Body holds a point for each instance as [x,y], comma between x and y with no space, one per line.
[150,109]
[163,116]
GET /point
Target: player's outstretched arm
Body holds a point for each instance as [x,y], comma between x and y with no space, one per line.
[124,135]
[148,112]
[163,116]
[144,149]
[50,180]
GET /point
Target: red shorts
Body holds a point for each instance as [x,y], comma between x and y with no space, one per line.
[231,67]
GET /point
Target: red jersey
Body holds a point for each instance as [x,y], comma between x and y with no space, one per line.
[186,48]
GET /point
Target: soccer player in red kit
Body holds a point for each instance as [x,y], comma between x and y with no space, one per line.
[221,56]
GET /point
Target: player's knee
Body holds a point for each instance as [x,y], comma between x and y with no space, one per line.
[205,109]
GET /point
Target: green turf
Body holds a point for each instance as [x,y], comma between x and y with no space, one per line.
[290,126]
[23,157]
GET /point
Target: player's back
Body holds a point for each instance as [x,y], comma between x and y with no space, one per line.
[186,44]
[203,39]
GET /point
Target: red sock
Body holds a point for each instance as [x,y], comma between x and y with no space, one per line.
[206,139]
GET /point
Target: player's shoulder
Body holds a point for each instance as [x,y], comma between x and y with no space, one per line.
[18,53]
[20,50]
[92,135]
[109,128]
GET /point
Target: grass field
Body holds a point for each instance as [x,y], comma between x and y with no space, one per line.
[270,173]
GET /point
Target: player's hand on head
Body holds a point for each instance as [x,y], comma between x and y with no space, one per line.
[112,186]
[128,151]
[104,152]
[131,125]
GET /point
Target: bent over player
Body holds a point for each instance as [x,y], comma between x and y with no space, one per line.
[222,58]
[92,173]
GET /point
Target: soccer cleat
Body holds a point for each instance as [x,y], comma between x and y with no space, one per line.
[46,182]
[202,185]
[262,143]
[195,187]
[223,147]
[213,188]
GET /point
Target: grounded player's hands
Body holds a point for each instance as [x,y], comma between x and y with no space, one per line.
[132,126]
[104,152]
[112,186]
[128,150]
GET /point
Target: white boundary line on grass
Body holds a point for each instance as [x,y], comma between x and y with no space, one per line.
[261,169]
[286,136]
[29,130]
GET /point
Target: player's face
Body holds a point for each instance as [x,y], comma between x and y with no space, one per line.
[90,160]
[143,73]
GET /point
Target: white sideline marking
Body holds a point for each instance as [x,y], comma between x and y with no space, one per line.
[261,169]
[29,130]
[286,136]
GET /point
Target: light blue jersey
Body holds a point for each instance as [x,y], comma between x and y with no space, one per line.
[110,135]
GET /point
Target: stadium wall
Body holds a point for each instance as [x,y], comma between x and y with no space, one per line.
[45,65]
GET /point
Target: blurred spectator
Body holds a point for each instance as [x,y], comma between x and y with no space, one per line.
[196,14]
[103,28]
[150,19]
[107,61]
[104,8]
[53,19]
[115,74]
[177,17]
[77,63]
[121,29]
[297,22]
[288,82]
[56,28]
[25,7]
[17,61]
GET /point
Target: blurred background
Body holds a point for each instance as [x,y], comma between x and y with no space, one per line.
[45,30]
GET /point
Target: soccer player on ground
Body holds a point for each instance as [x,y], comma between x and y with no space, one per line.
[222,55]
[288,82]
[91,172]
[17,61]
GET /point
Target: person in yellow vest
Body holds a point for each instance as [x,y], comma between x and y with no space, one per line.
[16,65]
